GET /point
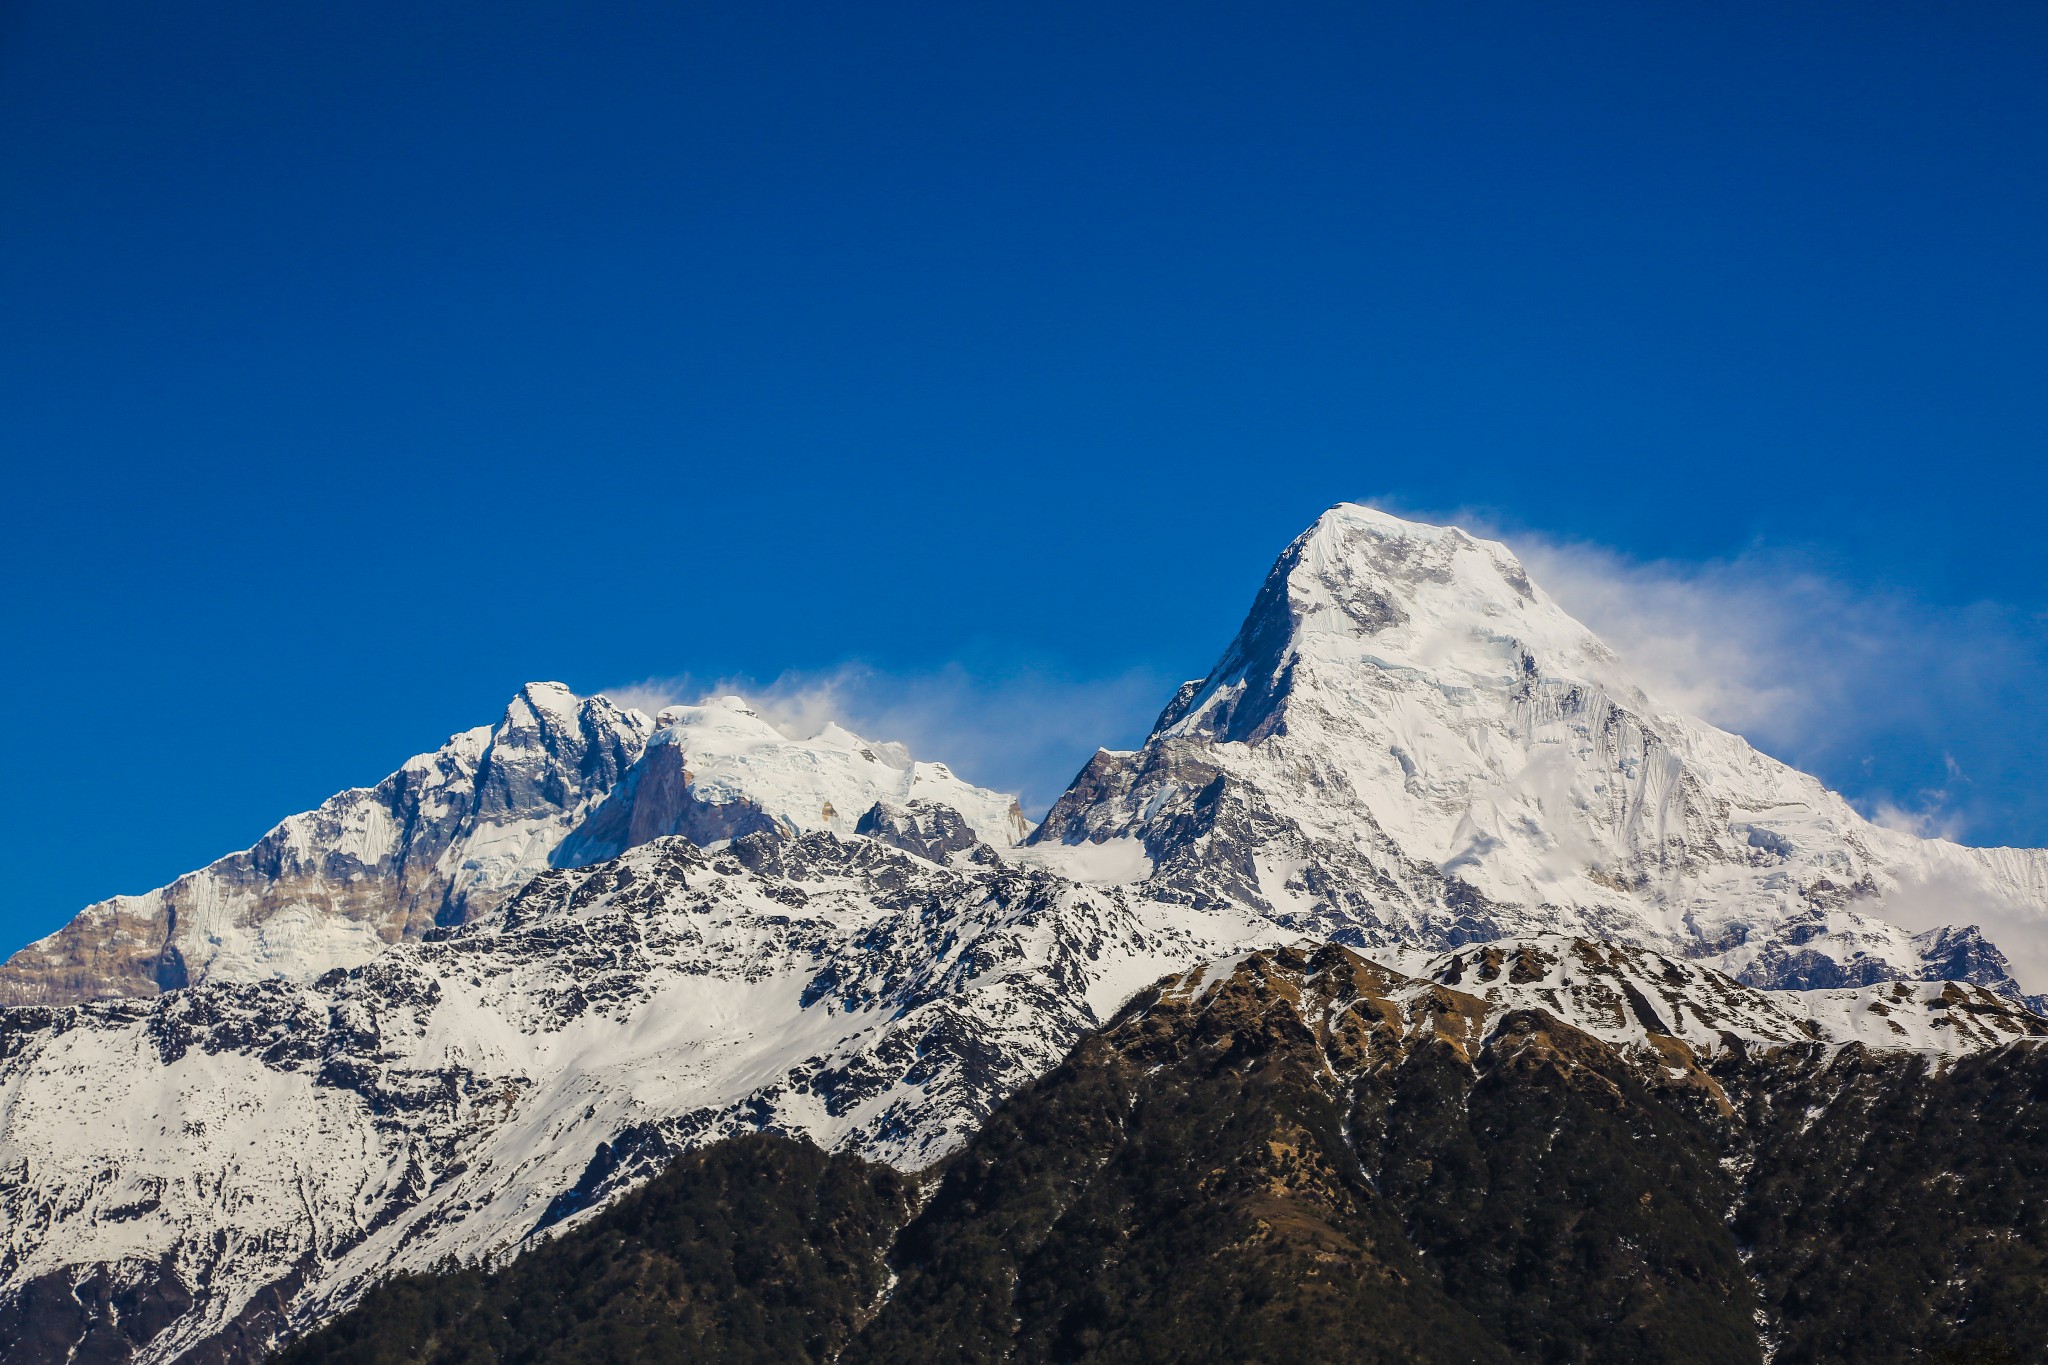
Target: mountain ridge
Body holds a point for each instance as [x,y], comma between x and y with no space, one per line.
[1302,1154]
[451,834]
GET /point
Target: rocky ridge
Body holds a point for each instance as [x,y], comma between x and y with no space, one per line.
[260,1152]
[449,835]
[559,781]
[1307,1155]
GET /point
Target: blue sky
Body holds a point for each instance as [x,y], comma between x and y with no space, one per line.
[359,362]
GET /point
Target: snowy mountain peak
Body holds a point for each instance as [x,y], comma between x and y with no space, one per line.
[546,698]
[539,994]
[720,769]
[559,780]
[1409,742]
[447,837]
[1362,593]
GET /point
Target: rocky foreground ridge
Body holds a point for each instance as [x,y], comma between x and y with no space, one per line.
[1306,1155]
[460,1013]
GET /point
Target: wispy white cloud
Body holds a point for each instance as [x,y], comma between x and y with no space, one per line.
[1714,639]
[2020,931]
[1021,729]
[1927,716]
[1927,821]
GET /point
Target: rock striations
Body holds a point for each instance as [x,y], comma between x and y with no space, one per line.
[460,1013]
[559,781]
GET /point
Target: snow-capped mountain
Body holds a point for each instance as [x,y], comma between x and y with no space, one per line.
[1410,742]
[450,834]
[1408,748]
[721,769]
[559,780]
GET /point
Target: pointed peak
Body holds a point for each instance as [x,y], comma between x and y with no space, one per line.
[1361,514]
[557,712]
[1357,551]
[549,705]
[551,696]
[1363,589]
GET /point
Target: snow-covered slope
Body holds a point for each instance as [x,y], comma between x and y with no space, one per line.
[560,779]
[720,769]
[1632,997]
[250,1143]
[1409,742]
[265,1149]
[450,834]
[1408,748]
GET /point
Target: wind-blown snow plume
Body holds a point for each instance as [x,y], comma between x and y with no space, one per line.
[1926,716]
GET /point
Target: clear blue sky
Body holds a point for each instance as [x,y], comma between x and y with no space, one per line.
[359,361]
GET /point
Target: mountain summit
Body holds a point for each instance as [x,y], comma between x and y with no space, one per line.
[449,835]
[560,781]
[1410,742]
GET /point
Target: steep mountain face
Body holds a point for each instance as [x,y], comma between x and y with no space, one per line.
[1305,1155]
[720,769]
[449,835]
[1409,742]
[560,780]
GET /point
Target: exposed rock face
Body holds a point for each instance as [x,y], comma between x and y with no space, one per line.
[720,770]
[255,1149]
[448,836]
[921,827]
[1964,954]
[1305,1155]
[1409,743]
[560,780]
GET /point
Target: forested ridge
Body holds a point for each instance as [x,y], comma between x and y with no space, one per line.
[1281,1169]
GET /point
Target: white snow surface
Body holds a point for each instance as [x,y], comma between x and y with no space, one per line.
[826,781]
[452,833]
[442,1098]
